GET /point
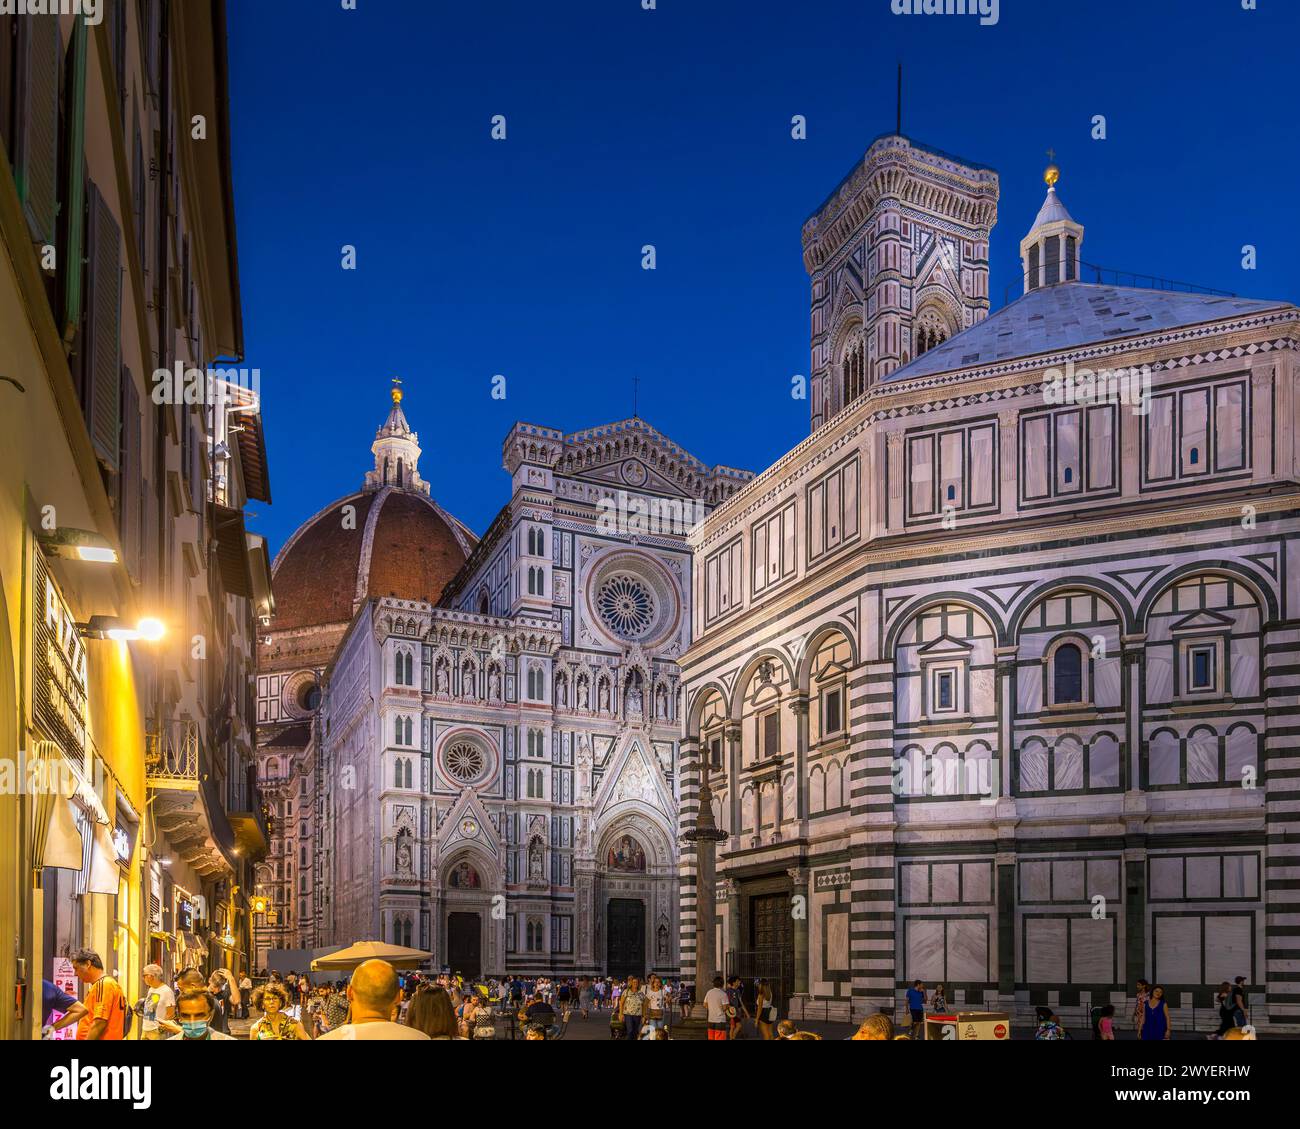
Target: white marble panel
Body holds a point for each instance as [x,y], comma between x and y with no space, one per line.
[943,877]
[1092,950]
[982,697]
[1243,675]
[977,883]
[916,883]
[1035,881]
[1242,752]
[1241,877]
[1103,762]
[1166,878]
[1202,877]
[1029,688]
[1103,879]
[1068,757]
[837,942]
[1107,675]
[968,950]
[1227,948]
[1160,674]
[924,949]
[1177,949]
[1068,880]
[1033,768]
[1045,948]
[1202,758]
[1163,759]
[907,698]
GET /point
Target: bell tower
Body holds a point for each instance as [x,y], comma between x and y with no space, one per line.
[898,259]
[397,452]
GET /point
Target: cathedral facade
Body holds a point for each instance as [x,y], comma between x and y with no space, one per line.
[993,681]
[487,758]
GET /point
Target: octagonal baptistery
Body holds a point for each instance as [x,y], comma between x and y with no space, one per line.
[388,539]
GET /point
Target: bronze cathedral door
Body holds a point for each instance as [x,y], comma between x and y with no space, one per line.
[464,944]
[625,938]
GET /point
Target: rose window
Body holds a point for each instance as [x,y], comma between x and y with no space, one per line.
[464,762]
[626,606]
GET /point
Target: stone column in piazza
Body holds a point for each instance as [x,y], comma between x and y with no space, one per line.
[706,836]
[802,906]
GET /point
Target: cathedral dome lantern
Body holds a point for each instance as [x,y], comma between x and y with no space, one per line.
[388,539]
[1050,252]
[397,452]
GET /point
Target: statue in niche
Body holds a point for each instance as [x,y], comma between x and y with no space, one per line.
[584,695]
[441,678]
[535,859]
[662,945]
[494,685]
[604,695]
[561,690]
[661,702]
[634,701]
[405,861]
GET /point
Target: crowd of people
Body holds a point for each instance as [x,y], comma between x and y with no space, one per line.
[379,1002]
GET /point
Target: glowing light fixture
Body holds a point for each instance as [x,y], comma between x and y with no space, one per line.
[148,629]
[78,545]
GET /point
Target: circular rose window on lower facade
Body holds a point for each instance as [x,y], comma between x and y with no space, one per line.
[464,761]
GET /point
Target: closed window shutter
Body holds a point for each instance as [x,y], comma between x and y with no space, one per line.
[101,355]
[36,162]
[131,491]
[74,182]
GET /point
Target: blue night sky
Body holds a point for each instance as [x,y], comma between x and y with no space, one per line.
[672,127]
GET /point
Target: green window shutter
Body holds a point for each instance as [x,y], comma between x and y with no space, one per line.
[36,146]
[75,182]
[101,353]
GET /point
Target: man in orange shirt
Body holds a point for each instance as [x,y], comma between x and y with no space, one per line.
[102,1014]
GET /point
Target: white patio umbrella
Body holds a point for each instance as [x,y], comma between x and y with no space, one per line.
[362,951]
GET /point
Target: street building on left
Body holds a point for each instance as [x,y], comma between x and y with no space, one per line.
[131,445]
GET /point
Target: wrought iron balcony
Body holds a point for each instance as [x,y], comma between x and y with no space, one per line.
[171,759]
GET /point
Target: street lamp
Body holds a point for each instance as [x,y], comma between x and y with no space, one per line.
[78,545]
[148,629]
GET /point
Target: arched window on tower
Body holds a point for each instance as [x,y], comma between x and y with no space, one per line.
[397,731]
[397,773]
[401,477]
[410,669]
[406,775]
[484,604]
[385,470]
[931,330]
[1034,280]
[853,364]
[407,730]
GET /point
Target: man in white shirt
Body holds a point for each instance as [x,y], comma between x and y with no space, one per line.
[158,1008]
[715,999]
[374,995]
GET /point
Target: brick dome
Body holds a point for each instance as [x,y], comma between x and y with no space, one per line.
[396,543]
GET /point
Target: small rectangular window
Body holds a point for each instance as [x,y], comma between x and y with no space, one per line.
[944,692]
[834,721]
[1201,674]
[771,734]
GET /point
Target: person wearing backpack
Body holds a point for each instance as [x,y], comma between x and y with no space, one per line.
[103,1014]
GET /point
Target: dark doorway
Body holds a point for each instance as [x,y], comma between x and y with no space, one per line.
[464,944]
[770,955]
[625,936]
